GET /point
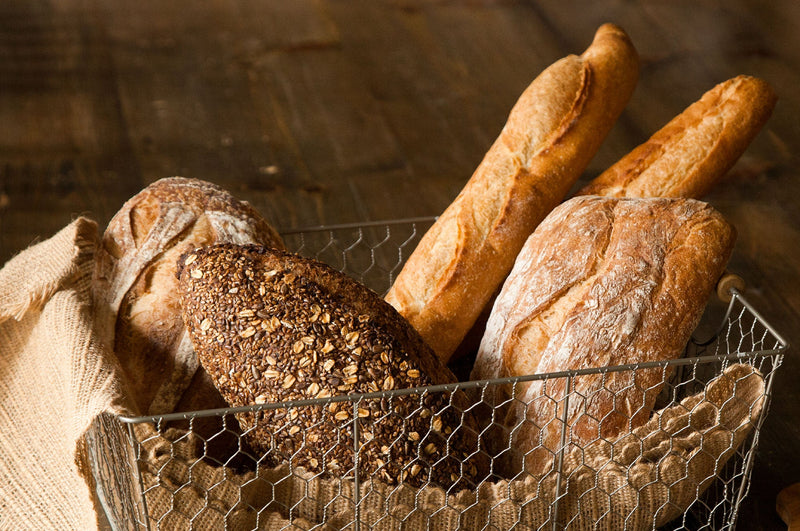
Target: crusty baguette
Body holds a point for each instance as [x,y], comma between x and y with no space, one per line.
[551,134]
[135,288]
[602,282]
[695,149]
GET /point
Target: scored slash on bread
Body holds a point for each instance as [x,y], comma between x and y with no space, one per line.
[601,282]
[271,327]
[690,154]
[551,134]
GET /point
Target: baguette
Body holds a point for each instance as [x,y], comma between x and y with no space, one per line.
[695,149]
[551,134]
[602,282]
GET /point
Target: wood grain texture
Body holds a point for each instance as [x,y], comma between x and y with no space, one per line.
[323,111]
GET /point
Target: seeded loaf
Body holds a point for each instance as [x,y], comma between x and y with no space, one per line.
[135,288]
[696,148]
[551,134]
[601,282]
[270,327]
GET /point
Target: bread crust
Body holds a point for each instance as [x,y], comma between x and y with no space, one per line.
[690,154]
[135,288]
[550,136]
[271,327]
[602,282]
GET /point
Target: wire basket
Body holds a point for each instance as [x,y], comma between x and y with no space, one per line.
[686,465]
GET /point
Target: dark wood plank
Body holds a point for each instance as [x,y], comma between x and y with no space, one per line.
[64,148]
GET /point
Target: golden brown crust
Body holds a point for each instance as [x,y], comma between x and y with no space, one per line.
[602,282]
[270,327]
[551,135]
[135,288]
[696,148]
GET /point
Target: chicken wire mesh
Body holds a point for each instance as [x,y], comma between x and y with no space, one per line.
[461,456]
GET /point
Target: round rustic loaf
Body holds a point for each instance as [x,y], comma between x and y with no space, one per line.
[271,327]
[135,288]
[602,282]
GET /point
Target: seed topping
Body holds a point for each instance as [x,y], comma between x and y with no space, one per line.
[304,342]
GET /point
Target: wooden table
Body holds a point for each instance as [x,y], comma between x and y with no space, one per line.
[327,111]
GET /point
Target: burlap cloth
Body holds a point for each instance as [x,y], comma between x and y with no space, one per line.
[57,375]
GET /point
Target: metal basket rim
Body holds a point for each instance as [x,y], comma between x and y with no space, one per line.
[355,225]
[472,384]
[452,387]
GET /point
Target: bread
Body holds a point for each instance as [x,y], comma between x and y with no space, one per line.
[601,282]
[135,289]
[696,148]
[271,327]
[550,136]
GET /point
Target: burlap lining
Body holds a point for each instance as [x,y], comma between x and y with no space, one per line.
[56,376]
[642,480]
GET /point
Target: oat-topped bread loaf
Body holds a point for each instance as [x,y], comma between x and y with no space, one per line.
[270,326]
[602,282]
[135,288]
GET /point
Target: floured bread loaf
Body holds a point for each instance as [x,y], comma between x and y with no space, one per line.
[135,288]
[271,327]
[602,282]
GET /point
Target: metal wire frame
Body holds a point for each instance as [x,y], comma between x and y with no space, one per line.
[743,336]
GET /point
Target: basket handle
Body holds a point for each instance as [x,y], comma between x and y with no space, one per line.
[728,282]
[788,506]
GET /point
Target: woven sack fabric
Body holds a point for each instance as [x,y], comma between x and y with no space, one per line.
[55,376]
[642,480]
